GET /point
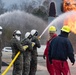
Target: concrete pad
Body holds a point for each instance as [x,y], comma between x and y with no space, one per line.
[41,67]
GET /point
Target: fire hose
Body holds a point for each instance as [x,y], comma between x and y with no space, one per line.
[24,47]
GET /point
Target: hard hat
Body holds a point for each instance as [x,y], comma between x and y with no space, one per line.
[52,29]
[27,34]
[1,28]
[65,29]
[34,32]
[18,32]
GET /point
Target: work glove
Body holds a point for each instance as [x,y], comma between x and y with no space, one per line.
[33,44]
[73,63]
[39,38]
[25,47]
[43,56]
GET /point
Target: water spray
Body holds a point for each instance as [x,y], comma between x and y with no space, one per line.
[61,18]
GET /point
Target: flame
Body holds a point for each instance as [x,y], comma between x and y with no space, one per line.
[71,22]
[69,5]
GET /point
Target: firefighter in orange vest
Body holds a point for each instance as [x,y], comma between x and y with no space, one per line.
[60,50]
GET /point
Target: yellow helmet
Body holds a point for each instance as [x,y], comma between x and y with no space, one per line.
[65,29]
[52,29]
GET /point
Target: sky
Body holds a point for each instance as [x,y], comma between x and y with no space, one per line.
[18,2]
[9,2]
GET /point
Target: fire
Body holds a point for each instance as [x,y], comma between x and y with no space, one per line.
[71,22]
[69,5]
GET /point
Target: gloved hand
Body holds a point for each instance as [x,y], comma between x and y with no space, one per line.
[25,47]
[33,44]
[73,63]
[39,37]
[43,56]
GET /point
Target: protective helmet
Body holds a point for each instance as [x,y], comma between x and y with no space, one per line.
[34,32]
[1,28]
[65,29]
[18,32]
[28,35]
[52,29]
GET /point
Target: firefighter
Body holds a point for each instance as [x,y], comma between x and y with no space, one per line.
[27,53]
[0,47]
[52,35]
[33,65]
[60,50]
[16,47]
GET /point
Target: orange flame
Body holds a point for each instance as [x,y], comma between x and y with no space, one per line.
[69,5]
[71,22]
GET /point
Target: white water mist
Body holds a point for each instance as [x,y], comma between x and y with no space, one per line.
[59,21]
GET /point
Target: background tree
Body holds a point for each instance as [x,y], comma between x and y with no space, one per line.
[13,7]
[41,12]
[1,7]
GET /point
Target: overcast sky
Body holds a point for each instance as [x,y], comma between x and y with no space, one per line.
[9,2]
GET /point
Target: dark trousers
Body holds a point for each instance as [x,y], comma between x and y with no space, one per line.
[26,63]
[18,65]
[33,64]
[0,62]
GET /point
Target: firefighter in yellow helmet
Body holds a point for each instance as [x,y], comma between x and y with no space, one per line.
[52,35]
[59,50]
